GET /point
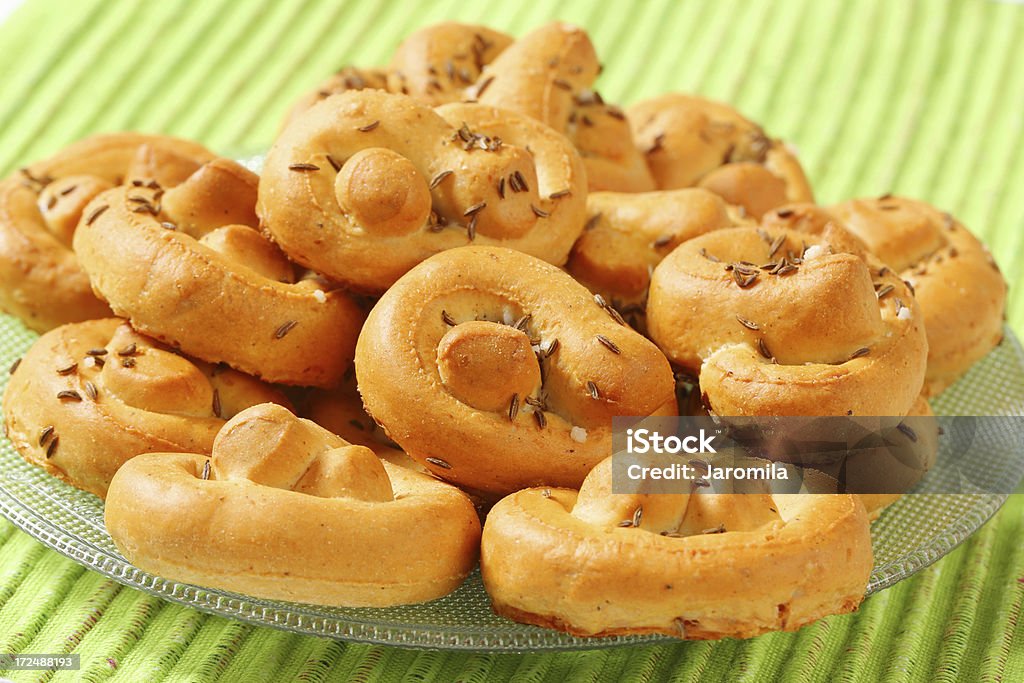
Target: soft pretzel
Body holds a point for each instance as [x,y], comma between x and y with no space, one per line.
[548,74]
[89,396]
[188,267]
[434,64]
[691,141]
[40,207]
[779,322]
[627,234]
[288,511]
[954,277]
[365,185]
[594,563]
[506,373]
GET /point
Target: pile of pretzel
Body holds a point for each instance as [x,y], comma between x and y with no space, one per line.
[498,261]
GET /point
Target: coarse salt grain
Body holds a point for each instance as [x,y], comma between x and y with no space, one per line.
[578,434]
[814,251]
[319,295]
[904,314]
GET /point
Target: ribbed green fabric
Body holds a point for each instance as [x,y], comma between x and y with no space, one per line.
[920,98]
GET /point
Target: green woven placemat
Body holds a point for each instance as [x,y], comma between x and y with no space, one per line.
[920,98]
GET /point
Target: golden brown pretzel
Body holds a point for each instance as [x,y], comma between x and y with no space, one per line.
[506,373]
[365,185]
[691,566]
[628,234]
[548,74]
[286,510]
[434,64]
[689,140]
[955,279]
[779,322]
[188,267]
[40,206]
[89,396]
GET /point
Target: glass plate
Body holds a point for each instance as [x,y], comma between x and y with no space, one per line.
[914,532]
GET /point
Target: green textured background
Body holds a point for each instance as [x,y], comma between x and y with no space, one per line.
[920,98]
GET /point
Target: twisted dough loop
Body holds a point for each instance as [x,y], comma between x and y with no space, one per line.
[508,372]
[187,266]
[691,141]
[955,279]
[793,330]
[288,511]
[40,207]
[108,393]
[689,566]
[434,64]
[548,74]
[629,234]
[404,173]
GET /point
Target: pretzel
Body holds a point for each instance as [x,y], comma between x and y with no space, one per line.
[706,566]
[188,267]
[40,206]
[548,74]
[366,185]
[691,141]
[506,372]
[779,322]
[434,64]
[629,233]
[285,510]
[89,396]
[955,279]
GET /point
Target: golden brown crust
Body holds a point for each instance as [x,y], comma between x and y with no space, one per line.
[548,74]
[691,141]
[779,322]
[598,368]
[41,281]
[955,279]
[288,511]
[627,235]
[89,396]
[580,563]
[191,270]
[412,181]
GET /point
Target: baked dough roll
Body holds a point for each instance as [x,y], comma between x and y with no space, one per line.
[89,396]
[434,64]
[628,234]
[365,185]
[498,371]
[780,322]
[955,279]
[549,74]
[286,510]
[698,566]
[41,281]
[691,141]
[188,266]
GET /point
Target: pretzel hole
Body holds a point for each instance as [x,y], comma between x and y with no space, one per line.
[483,364]
[383,192]
[250,248]
[61,203]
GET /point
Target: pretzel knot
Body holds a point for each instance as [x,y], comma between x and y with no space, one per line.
[690,141]
[87,397]
[548,74]
[366,185]
[187,266]
[956,281]
[780,322]
[690,566]
[286,510]
[41,205]
[507,372]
